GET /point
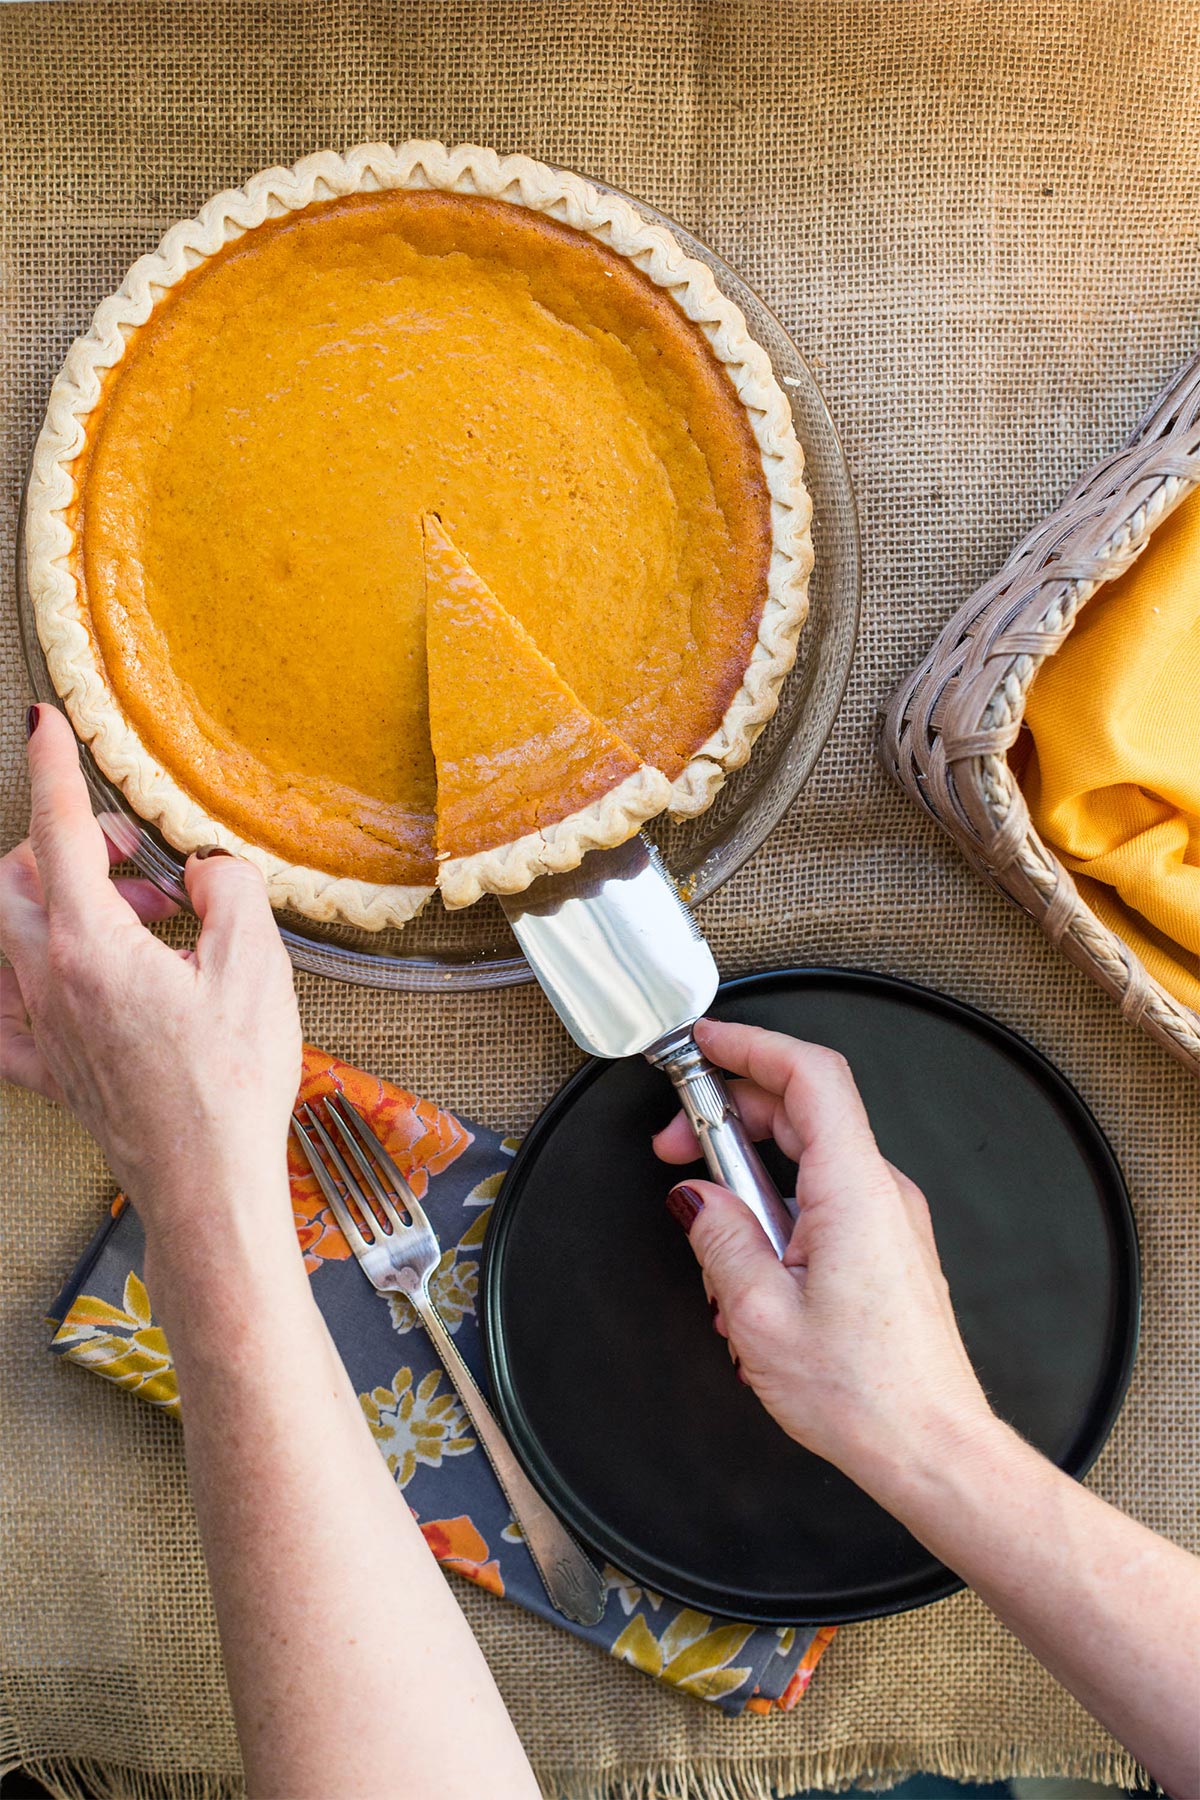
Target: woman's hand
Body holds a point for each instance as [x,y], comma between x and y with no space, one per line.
[850,1342]
[184,1066]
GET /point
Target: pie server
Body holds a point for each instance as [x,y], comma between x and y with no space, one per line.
[624,966]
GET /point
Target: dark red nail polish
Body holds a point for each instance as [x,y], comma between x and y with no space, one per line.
[684,1205]
[31,720]
[211,850]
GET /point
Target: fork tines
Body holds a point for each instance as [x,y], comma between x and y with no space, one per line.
[381,1208]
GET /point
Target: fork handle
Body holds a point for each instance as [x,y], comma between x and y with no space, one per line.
[569,1578]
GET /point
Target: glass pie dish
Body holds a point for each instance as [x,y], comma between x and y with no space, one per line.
[474,948]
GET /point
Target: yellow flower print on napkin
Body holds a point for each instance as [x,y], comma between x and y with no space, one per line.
[628,1592]
[122,1343]
[485,1191]
[690,1654]
[418,1425]
[453,1284]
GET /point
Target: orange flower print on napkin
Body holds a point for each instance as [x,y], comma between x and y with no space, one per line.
[423,1138]
[798,1685]
[458,1545]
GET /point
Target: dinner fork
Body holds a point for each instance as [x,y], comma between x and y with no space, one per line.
[400,1256]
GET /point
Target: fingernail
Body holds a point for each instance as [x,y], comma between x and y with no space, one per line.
[31,720]
[684,1205]
[211,850]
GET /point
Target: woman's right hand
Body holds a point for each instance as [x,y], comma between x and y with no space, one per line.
[850,1342]
[183,1067]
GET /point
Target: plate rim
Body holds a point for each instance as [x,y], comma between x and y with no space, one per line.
[940,1582]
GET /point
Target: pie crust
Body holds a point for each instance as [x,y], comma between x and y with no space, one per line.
[71,655]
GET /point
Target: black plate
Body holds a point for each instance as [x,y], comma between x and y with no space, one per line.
[618,1396]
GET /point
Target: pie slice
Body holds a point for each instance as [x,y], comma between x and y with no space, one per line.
[528,780]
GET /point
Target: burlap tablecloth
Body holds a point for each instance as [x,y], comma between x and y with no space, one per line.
[982,221]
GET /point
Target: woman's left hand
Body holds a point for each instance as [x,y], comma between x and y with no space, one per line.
[183,1065]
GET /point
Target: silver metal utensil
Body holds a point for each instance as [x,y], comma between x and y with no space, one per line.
[399,1256]
[626,969]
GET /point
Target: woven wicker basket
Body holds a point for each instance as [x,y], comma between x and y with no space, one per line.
[948,728]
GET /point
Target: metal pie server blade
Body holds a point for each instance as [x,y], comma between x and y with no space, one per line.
[624,966]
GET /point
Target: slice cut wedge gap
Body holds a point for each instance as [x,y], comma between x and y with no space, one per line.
[528,778]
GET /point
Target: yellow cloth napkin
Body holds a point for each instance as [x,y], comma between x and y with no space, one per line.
[1113,777]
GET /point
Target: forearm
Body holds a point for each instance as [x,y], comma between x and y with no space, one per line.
[1112,1610]
[319,1573]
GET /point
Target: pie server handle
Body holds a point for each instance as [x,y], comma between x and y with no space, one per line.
[731,1157]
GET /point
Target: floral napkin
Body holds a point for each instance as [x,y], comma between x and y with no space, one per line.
[104,1320]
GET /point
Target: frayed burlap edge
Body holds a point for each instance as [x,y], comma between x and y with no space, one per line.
[72,1778]
[837,1771]
[870,1767]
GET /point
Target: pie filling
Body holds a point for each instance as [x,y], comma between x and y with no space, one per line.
[251,557]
